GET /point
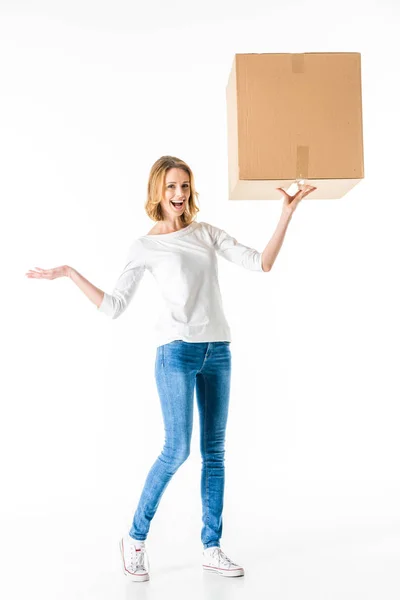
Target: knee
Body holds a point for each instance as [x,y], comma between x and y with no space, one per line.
[181,456]
[175,457]
[213,456]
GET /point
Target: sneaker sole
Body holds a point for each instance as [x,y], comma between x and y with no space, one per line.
[225,572]
[131,576]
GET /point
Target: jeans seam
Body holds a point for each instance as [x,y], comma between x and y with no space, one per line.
[205,452]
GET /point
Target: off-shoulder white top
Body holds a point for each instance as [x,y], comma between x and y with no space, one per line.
[184,265]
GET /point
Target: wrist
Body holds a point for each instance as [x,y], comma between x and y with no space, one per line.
[287,214]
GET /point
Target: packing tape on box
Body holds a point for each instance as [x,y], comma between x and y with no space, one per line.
[297,63]
[302,151]
[302,162]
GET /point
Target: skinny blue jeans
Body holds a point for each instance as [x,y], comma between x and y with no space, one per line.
[180,368]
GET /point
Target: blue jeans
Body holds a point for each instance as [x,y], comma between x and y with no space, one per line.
[180,368]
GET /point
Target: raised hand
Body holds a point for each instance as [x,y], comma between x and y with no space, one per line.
[290,203]
[48,273]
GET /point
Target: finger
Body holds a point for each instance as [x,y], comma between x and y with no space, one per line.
[283,192]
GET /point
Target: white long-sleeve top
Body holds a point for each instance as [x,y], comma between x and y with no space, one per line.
[184,265]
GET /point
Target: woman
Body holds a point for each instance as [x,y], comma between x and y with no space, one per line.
[193,345]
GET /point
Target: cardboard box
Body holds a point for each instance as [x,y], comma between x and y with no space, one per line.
[294,117]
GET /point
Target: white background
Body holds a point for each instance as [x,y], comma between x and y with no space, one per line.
[92,93]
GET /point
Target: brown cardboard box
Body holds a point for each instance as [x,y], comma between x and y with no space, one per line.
[294,117]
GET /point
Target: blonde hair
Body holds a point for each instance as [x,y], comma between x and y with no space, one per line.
[156,184]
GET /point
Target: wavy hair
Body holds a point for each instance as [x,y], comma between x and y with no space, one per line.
[156,185]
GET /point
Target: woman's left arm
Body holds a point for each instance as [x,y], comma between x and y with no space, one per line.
[290,204]
[271,250]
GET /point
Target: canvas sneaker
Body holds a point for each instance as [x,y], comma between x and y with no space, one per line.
[135,562]
[216,561]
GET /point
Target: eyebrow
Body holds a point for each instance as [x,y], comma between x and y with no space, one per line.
[187,181]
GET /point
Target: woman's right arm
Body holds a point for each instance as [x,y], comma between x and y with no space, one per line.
[94,294]
[115,303]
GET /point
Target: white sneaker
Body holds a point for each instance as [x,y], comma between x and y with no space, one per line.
[135,561]
[216,561]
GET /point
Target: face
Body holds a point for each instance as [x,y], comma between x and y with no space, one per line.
[177,191]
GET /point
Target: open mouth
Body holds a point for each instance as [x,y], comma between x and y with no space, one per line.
[177,205]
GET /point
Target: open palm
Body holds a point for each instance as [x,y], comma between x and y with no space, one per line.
[47,273]
[290,203]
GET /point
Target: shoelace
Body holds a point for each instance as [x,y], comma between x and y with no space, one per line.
[138,559]
[222,558]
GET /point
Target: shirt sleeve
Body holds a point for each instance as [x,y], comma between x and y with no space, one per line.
[114,304]
[229,248]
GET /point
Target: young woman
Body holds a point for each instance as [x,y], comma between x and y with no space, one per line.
[193,345]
